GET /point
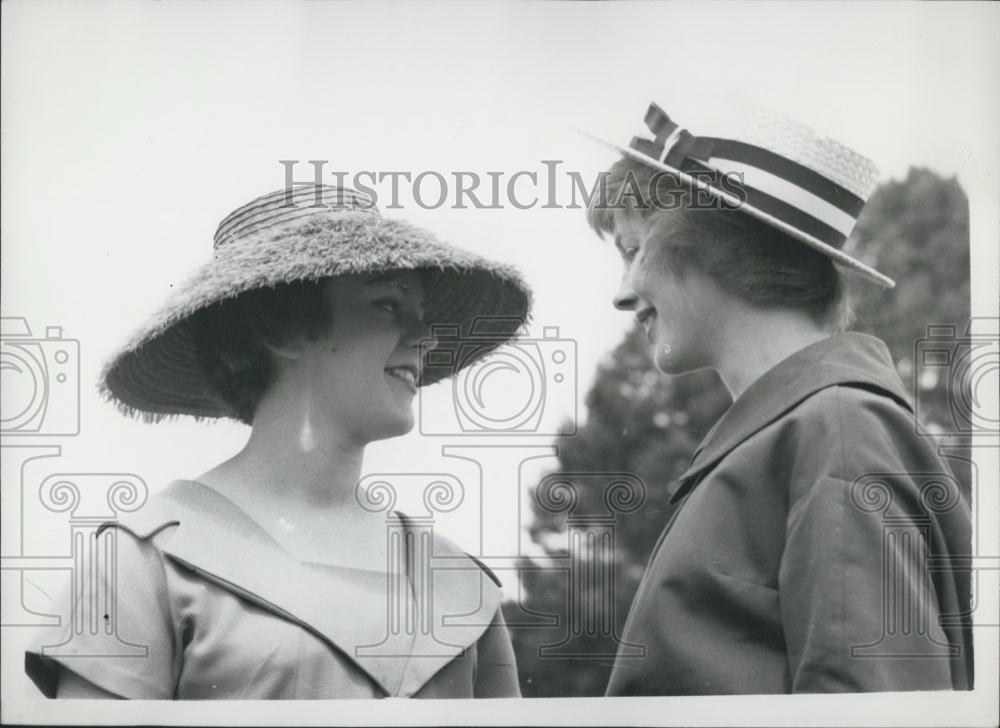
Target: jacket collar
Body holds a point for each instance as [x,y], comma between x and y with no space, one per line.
[850,359]
[218,540]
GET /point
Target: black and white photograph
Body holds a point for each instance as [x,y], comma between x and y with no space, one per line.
[501,363]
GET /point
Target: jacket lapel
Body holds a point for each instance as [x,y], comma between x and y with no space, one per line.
[456,603]
[218,540]
[849,359]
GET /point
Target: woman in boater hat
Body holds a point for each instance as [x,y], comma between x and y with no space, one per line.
[269,576]
[812,545]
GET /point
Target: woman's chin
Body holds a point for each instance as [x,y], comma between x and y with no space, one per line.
[395,427]
[667,362]
[665,367]
[662,358]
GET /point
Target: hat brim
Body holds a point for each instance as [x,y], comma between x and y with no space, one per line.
[159,373]
[839,257]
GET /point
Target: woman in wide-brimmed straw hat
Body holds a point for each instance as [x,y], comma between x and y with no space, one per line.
[798,558]
[265,577]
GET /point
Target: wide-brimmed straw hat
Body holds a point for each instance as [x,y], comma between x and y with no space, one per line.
[306,234]
[792,178]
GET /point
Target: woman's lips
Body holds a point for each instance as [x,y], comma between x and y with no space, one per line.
[648,323]
[406,375]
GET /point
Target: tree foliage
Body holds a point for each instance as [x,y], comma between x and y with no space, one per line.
[643,423]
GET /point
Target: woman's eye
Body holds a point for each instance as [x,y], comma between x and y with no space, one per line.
[387,304]
[629,253]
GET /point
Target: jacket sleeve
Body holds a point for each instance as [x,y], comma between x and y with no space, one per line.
[129,650]
[858,605]
[496,667]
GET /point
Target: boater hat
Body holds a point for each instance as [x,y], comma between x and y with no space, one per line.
[784,173]
[306,234]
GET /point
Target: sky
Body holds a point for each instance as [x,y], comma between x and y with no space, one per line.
[130,129]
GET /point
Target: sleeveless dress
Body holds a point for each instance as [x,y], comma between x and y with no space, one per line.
[202,603]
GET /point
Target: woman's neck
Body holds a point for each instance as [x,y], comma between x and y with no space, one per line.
[753,341]
[304,497]
[294,459]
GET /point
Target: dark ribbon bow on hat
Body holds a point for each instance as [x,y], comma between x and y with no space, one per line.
[672,144]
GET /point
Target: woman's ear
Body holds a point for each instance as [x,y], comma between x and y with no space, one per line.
[275,338]
[289,350]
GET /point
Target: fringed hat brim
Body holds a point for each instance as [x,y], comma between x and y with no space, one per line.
[158,373]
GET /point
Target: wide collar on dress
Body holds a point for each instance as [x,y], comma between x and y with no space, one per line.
[217,539]
[850,359]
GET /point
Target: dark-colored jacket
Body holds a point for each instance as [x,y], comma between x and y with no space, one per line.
[813,548]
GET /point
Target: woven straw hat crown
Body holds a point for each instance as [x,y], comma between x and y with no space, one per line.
[789,176]
[310,233]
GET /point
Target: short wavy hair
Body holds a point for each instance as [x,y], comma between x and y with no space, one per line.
[746,257]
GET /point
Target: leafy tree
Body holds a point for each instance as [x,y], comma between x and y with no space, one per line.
[640,423]
[919,230]
[648,425]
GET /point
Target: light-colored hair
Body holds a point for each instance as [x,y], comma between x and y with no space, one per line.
[746,257]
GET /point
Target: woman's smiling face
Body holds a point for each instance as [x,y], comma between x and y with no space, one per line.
[676,309]
[362,374]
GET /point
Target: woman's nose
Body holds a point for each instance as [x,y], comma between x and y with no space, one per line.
[626,298]
[420,334]
[428,342]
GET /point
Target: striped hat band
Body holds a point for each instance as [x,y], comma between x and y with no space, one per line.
[284,206]
[782,188]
